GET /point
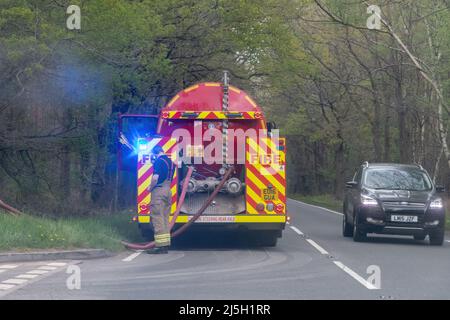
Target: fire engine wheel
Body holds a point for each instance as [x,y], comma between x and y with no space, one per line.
[265,238]
[147,233]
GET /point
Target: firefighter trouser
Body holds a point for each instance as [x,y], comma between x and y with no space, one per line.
[160,211]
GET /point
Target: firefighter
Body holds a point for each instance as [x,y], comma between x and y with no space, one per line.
[160,202]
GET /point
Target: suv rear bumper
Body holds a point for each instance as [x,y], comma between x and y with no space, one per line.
[374,220]
[396,230]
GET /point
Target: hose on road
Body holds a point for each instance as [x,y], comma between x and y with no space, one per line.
[149,245]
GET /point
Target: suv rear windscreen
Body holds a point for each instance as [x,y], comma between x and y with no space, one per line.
[397,179]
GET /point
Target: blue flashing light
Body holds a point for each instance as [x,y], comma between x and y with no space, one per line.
[142,144]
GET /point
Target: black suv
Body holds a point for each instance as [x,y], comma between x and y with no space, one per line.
[393,199]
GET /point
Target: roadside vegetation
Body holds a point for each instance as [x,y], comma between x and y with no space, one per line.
[340,92]
[26,232]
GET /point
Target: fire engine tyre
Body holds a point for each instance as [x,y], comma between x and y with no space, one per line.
[147,233]
[358,234]
[437,238]
[347,229]
[265,238]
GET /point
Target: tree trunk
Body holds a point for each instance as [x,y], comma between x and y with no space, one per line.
[339,166]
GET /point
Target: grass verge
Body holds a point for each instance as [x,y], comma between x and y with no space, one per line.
[26,233]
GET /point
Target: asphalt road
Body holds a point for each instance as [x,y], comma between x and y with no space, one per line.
[311,261]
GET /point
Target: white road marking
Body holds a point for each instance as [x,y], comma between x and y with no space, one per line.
[296,230]
[15,281]
[311,205]
[132,256]
[346,269]
[355,276]
[6,286]
[37,272]
[27,276]
[22,280]
[47,268]
[8,266]
[57,264]
[315,245]
[310,241]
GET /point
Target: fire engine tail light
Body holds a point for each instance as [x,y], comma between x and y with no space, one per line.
[279,208]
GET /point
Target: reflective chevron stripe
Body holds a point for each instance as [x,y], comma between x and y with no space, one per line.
[265,176]
[212,115]
[145,173]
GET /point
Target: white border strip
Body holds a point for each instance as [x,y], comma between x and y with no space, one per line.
[355,276]
[27,276]
[6,286]
[296,230]
[57,264]
[315,245]
[50,268]
[132,256]
[8,266]
[37,271]
[15,281]
[310,241]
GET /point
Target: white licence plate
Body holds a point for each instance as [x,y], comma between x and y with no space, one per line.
[397,218]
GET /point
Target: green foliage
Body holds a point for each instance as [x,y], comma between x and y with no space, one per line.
[28,232]
[336,91]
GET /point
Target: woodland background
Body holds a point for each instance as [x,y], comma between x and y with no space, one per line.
[340,92]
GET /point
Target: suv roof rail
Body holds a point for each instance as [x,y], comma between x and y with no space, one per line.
[366,164]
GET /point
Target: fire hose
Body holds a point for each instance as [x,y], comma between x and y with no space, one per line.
[149,245]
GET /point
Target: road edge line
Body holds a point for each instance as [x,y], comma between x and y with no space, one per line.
[355,276]
[296,230]
[317,246]
[132,256]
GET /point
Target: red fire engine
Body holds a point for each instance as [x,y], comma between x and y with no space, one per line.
[212,127]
